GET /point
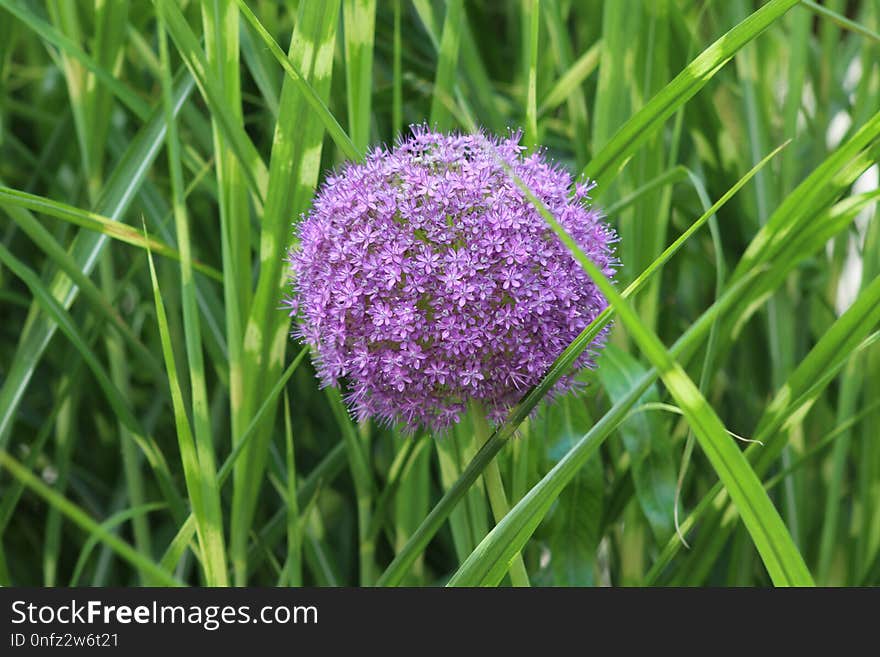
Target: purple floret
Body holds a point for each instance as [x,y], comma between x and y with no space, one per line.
[423,279]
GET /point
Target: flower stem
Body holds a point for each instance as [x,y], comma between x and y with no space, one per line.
[497,497]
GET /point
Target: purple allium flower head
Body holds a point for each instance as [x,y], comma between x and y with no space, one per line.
[424,279]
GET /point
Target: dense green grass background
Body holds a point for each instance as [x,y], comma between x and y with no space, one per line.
[158,426]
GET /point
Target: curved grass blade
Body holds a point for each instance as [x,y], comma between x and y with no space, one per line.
[212,539]
[638,129]
[102,306]
[197,469]
[793,400]
[528,513]
[252,165]
[109,525]
[98,223]
[86,523]
[432,523]
[769,533]
[310,94]
[56,38]
[115,199]
[44,299]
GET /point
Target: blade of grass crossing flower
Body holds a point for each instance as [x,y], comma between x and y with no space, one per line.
[431,524]
[118,193]
[781,558]
[293,174]
[213,543]
[447,63]
[613,155]
[487,564]
[359,19]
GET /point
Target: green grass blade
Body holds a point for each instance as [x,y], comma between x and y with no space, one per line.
[568,83]
[431,524]
[46,31]
[533,17]
[359,20]
[253,167]
[195,471]
[118,193]
[13,198]
[361,473]
[86,523]
[614,155]
[306,87]
[213,544]
[512,533]
[842,21]
[109,525]
[801,389]
[293,175]
[447,63]
[771,537]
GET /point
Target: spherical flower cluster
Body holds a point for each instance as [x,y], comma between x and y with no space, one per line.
[423,279]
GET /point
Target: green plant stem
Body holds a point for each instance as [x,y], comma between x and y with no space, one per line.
[497,496]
